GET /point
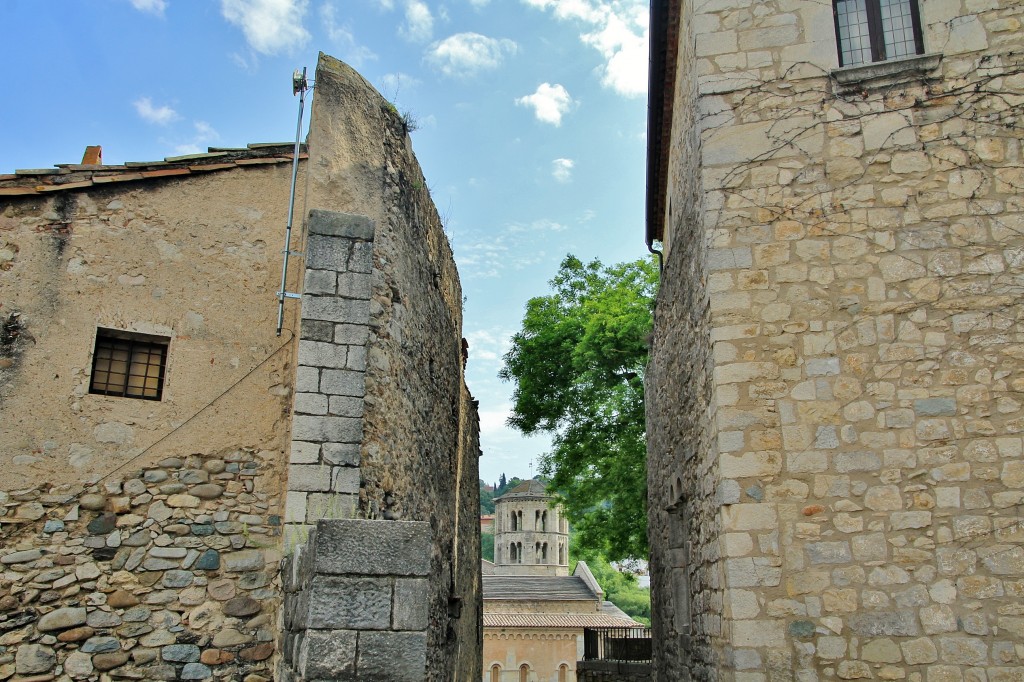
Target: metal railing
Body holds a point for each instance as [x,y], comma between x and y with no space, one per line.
[632,645]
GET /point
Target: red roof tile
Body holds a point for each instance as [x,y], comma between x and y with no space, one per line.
[556,620]
[69,176]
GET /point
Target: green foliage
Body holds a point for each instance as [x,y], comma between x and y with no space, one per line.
[487,496]
[578,365]
[619,588]
[487,546]
[486,500]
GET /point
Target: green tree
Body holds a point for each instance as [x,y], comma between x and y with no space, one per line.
[487,546]
[578,367]
[621,589]
[486,500]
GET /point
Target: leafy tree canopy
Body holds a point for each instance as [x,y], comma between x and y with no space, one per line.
[578,368]
[621,589]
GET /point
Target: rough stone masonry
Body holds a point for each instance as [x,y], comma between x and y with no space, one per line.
[836,380]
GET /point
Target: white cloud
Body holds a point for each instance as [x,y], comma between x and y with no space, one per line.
[270,26]
[156,7]
[341,36]
[561,169]
[618,30]
[493,422]
[419,24]
[392,84]
[549,102]
[387,4]
[203,135]
[488,345]
[625,53]
[479,3]
[514,247]
[152,114]
[466,54]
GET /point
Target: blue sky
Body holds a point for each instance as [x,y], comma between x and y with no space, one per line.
[531,115]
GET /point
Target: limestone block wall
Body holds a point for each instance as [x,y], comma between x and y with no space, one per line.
[862,253]
[356,603]
[327,428]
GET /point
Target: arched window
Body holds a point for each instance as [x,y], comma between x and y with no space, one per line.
[563,673]
[561,553]
[519,552]
[524,673]
[519,519]
[512,553]
[514,525]
[495,673]
[544,553]
[544,521]
[536,520]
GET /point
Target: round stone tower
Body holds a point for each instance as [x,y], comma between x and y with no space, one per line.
[530,536]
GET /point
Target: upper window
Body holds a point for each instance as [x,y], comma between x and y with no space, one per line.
[876,30]
[128,364]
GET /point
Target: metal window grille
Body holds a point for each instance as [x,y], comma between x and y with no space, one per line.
[128,365]
[875,30]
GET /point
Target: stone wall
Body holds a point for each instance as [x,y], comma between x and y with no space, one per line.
[327,426]
[683,509]
[864,265]
[196,260]
[167,573]
[356,603]
[157,522]
[422,466]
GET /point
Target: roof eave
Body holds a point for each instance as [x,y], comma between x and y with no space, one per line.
[660,100]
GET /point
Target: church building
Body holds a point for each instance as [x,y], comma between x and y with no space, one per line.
[534,610]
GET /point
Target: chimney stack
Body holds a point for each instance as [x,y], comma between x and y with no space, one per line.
[93,156]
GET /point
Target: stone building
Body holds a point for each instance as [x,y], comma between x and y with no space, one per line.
[178,479]
[534,611]
[531,536]
[835,384]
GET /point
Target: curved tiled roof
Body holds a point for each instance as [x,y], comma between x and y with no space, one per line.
[531,488]
[68,176]
[537,588]
[556,620]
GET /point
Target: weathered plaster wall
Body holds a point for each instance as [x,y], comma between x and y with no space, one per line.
[864,273]
[201,271]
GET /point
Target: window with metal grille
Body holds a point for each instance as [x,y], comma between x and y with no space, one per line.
[876,30]
[129,365]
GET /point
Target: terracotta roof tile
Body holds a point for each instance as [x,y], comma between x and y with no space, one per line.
[123,177]
[69,176]
[536,588]
[556,620]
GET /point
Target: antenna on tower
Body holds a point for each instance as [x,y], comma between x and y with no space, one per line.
[299,87]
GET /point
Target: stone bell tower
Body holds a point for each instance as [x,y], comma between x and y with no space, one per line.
[530,536]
